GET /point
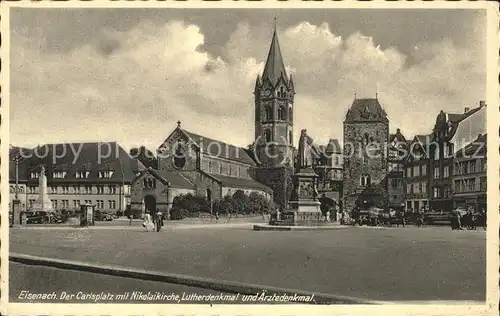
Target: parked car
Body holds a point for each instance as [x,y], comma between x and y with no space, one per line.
[103,216]
[42,217]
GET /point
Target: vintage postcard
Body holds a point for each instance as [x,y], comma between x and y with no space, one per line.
[249,158]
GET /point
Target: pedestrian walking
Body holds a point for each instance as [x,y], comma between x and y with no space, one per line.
[159,220]
[148,223]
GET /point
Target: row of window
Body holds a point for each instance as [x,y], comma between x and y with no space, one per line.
[417,188]
[470,185]
[281,113]
[268,137]
[231,170]
[78,174]
[447,151]
[470,166]
[64,204]
[416,171]
[446,172]
[395,167]
[76,189]
[436,193]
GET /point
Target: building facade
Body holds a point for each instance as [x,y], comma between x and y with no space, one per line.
[366,133]
[214,168]
[327,164]
[416,175]
[397,151]
[100,174]
[469,176]
[450,134]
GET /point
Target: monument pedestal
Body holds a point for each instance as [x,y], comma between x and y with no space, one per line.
[305,206]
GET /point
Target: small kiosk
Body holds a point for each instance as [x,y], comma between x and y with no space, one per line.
[87,215]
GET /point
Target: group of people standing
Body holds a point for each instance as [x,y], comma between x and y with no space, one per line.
[153,223]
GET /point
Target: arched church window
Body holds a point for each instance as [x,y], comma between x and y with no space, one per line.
[282,93]
[281,113]
[179,159]
[269,113]
[290,114]
[366,139]
[365,180]
[290,140]
[267,134]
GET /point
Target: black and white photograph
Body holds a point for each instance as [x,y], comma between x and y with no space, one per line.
[246,156]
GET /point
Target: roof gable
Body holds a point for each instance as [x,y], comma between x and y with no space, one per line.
[366,110]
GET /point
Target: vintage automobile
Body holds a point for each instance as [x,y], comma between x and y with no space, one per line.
[103,216]
[42,217]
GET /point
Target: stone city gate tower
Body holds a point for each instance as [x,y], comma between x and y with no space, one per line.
[366,133]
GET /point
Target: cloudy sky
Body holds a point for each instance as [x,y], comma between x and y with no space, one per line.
[129,74]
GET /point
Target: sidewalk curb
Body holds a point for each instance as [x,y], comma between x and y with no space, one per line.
[261,227]
[207,283]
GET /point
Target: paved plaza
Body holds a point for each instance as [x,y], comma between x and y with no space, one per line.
[432,263]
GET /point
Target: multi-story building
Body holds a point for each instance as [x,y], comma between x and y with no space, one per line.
[77,173]
[416,174]
[327,164]
[366,134]
[469,175]
[450,134]
[396,154]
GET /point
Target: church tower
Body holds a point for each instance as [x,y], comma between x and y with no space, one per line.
[274,93]
[273,148]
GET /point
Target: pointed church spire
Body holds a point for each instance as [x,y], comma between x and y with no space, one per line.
[275,68]
[257,84]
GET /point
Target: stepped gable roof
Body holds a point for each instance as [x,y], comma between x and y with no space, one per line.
[92,157]
[366,110]
[275,67]
[333,146]
[477,146]
[221,149]
[398,136]
[170,178]
[240,183]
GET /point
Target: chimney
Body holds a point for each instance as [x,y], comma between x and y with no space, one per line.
[466,110]
[482,103]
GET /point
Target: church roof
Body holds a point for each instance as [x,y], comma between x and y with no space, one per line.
[366,110]
[275,67]
[72,157]
[221,149]
[240,183]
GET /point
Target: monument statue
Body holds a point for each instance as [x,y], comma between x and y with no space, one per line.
[304,203]
[43,203]
[304,160]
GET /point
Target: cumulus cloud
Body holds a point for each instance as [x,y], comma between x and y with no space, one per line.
[133,86]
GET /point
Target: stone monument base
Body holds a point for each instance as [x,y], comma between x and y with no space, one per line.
[303,213]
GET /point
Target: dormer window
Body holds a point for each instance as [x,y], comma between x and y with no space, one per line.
[105,174]
[82,174]
[34,175]
[59,175]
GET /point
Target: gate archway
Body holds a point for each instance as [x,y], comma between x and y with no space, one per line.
[150,204]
